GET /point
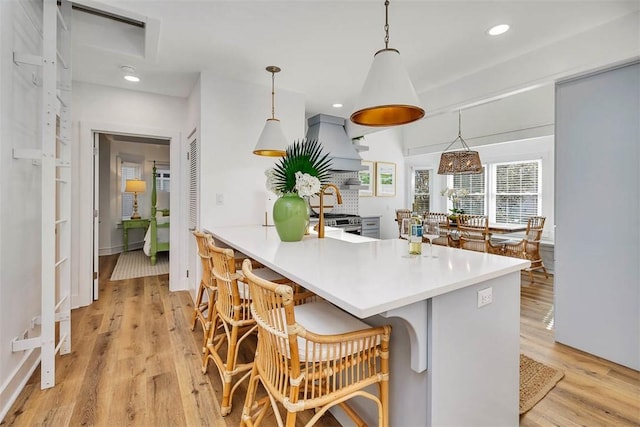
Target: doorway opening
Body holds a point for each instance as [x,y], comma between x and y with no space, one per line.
[125,195]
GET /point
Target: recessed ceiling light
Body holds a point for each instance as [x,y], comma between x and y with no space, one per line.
[496,30]
[336,105]
[129,73]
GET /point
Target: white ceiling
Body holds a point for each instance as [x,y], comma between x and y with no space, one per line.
[324,48]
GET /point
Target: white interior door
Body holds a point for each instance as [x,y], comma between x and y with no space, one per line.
[96,213]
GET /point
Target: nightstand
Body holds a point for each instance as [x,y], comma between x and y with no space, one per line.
[132,223]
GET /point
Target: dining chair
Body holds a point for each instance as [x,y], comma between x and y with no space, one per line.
[445,238]
[529,247]
[400,215]
[312,356]
[473,231]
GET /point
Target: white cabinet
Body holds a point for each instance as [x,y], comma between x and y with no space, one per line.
[371,226]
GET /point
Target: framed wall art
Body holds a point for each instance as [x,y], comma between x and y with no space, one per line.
[367,179]
[385,179]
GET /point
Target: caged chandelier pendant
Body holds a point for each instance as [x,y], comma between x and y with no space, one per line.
[459,162]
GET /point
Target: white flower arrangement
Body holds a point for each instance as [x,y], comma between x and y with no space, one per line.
[454,194]
[306,185]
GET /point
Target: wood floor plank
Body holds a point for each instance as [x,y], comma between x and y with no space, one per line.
[135,362]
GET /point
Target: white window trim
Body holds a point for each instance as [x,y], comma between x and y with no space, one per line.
[494,185]
[490,170]
[122,163]
[412,185]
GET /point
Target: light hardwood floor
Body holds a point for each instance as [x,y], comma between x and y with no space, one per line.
[134,361]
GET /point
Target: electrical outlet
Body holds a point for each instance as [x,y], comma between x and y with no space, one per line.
[485,297]
[219,199]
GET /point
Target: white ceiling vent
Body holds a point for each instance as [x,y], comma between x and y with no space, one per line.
[104,27]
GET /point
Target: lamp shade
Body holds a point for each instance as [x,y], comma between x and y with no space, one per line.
[459,163]
[272,141]
[135,186]
[388,97]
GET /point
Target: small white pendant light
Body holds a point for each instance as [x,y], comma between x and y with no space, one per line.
[272,141]
[388,97]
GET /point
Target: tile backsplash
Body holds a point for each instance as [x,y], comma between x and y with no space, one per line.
[349,197]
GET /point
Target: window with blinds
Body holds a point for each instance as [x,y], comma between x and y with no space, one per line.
[421,196]
[128,171]
[475,202]
[163,180]
[517,191]
[193,184]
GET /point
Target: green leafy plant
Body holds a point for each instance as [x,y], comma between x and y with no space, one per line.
[304,159]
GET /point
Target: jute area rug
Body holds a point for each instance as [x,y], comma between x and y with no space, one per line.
[536,380]
[133,264]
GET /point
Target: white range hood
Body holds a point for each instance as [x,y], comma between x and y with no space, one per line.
[329,131]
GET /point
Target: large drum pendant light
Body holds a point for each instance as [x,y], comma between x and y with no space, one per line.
[388,97]
[459,162]
[272,141]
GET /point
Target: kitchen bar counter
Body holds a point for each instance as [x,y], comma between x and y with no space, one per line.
[452,363]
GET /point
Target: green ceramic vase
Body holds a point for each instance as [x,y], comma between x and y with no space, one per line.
[291,217]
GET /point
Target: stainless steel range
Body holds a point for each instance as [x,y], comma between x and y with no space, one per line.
[349,223]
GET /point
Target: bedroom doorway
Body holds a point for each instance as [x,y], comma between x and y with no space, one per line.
[122,218]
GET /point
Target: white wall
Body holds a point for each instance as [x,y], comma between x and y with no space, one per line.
[20,197]
[232,116]
[386,146]
[118,111]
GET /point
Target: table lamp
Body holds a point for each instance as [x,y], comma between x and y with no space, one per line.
[135,186]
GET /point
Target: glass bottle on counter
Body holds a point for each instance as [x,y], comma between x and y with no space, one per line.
[415,235]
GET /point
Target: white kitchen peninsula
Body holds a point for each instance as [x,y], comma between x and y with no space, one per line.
[452,363]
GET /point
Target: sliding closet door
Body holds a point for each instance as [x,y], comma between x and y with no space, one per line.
[597,282]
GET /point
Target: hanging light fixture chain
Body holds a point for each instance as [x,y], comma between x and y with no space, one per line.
[386,24]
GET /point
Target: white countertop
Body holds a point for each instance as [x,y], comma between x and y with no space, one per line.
[366,276]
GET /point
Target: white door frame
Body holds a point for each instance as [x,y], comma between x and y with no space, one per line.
[96,214]
[82,283]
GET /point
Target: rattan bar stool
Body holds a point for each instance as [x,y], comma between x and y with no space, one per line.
[203,310]
[301,369]
[232,322]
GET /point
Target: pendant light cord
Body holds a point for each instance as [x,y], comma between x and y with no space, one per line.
[464,144]
[386,24]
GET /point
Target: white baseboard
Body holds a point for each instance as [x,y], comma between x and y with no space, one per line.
[119,248]
[15,384]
